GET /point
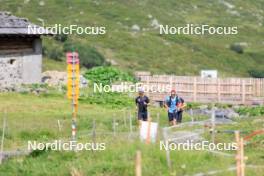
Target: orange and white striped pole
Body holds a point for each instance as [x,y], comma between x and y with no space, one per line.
[148,129]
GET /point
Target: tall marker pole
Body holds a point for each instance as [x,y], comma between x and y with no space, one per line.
[73,73]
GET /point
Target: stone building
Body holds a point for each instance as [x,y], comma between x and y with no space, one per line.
[20,51]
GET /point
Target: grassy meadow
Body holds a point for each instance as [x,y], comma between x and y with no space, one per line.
[34,117]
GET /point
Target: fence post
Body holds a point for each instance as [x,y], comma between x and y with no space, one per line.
[243,91]
[171,82]
[94,132]
[191,113]
[147,91]
[242,157]
[238,163]
[218,90]
[114,126]
[125,123]
[194,89]
[59,125]
[213,125]
[164,130]
[138,164]
[148,131]
[3,137]
[130,124]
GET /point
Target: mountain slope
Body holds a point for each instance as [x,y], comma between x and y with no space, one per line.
[145,49]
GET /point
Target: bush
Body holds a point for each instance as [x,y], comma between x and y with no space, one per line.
[256,73]
[61,37]
[110,99]
[54,52]
[89,56]
[107,75]
[237,48]
[251,111]
[36,135]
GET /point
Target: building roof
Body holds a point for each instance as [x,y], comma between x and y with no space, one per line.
[12,25]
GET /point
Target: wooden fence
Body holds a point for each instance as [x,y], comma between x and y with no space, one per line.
[205,90]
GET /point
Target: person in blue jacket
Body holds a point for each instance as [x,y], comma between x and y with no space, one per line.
[174,106]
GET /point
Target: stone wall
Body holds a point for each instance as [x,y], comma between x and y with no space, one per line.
[18,69]
[11,69]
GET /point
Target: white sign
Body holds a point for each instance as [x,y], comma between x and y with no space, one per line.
[209,73]
[148,131]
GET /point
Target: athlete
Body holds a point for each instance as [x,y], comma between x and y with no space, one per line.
[174,106]
[142,102]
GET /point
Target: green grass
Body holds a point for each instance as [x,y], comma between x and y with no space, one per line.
[147,50]
[49,64]
[31,117]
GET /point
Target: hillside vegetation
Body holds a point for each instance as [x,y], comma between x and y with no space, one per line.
[143,48]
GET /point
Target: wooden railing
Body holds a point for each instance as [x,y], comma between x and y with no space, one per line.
[197,89]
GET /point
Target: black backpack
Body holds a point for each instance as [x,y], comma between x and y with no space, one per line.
[170,100]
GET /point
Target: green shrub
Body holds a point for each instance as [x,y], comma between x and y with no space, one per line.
[37,153]
[251,111]
[61,37]
[89,56]
[36,135]
[256,73]
[107,75]
[237,48]
[193,105]
[55,53]
[110,99]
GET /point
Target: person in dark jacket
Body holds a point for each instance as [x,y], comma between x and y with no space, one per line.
[180,108]
[142,102]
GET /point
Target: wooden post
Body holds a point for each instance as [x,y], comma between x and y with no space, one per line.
[114,126]
[191,113]
[94,131]
[243,92]
[242,157]
[165,136]
[218,90]
[238,162]
[213,125]
[59,125]
[3,137]
[148,131]
[171,83]
[194,89]
[148,85]
[138,168]
[125,122]
[130,125]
